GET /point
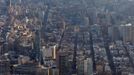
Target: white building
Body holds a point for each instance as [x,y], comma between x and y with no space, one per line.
[88,67]
[127,32]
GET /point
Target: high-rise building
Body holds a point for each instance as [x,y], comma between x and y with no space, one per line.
[38,55]
[127,32]
[81,67]
[53,71]
[88,67]
[114,33]
[54,52]
[63,65]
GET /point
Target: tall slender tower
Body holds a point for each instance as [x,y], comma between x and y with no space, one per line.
[37,51]
[37,45]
